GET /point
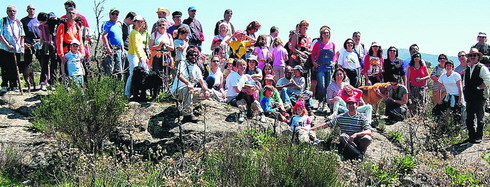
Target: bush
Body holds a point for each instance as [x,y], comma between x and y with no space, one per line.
[85,116]
[258,159]
[395,137]
[461,179]
[11,167]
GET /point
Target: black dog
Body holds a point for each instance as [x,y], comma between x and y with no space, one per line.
[141,82]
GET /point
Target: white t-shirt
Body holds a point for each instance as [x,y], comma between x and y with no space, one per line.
[74,64]
[218,76]
[449,82]
[348,60]
[159,38]
[233,79]
[191,72]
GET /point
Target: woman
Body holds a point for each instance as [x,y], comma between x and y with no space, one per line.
[220,41]
[47,52]
[215,79]
[251,29]
[453,99]
[393,66]
[323,56]
[299,48]
[136,51]
[161,43]
[146,42]
[267,70]
[373,65]
[335,86]
[438,90]
[417,81]
[349,61]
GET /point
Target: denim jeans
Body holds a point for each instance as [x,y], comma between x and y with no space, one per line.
[113,64]
[323,77]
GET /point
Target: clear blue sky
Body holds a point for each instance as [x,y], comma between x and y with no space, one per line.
[437,26]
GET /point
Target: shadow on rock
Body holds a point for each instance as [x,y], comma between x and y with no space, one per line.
[457,149]
[159,125]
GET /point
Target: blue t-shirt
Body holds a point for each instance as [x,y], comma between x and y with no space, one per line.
[114,32]
[266,104]
[74,63]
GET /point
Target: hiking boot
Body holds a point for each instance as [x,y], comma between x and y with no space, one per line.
[476,141]
[189,118]
[4,89]
[241,117]
[262,118]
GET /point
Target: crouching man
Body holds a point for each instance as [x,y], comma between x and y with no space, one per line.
[183,87]
[355,131]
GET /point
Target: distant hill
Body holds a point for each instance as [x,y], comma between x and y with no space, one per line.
[432,58]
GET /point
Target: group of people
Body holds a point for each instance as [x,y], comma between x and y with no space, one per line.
[259,74]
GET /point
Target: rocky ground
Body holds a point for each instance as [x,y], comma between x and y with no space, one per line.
[149,127]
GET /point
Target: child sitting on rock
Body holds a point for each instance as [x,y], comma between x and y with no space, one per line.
[301,124]
[269,106]
[248,104]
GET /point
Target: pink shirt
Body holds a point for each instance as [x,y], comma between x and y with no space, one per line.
[262,54]
[357,95]
[279,53]
[315,52]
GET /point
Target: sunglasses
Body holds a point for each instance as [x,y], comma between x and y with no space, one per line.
[11,10]
[392,50]
[161,25]
[472,55]
[416,56]
[115,14]
[325,32]
[442,58]
[350,43]
[461,56]
[215,61]
[31,9]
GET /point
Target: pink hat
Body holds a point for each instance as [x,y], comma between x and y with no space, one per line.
[375,44]
[269,77]
[299,104]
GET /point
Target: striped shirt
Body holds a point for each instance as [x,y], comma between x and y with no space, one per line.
[350,124]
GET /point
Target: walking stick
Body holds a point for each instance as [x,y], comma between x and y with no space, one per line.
[18,74]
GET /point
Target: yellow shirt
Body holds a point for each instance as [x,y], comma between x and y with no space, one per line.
[239,48]
[136,45]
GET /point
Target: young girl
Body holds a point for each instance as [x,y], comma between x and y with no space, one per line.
[74,63]
[181,44]
[279,57]
[301,123]
[261,51]
[269,105]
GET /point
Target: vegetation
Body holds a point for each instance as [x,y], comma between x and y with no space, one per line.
[85,116]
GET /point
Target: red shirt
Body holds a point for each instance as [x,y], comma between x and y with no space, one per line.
[414,73]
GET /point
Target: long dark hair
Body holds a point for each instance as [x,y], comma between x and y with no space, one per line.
[379,54]
[412,62]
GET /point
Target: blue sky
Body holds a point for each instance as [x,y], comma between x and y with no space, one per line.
[437,26]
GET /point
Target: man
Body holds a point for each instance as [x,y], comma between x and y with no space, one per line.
[126,28]
[236,80]
[86,33]
[11,46]
[476,81]
[177,17]
[406,63]
[483,47]
[226,19]
[396,100]
[68,31]
[358,46]
[283,84]
[196,36]
[463,63]
[31,30]
[274,33]
[162,13]
[355,132]
[183,86]
[113,44]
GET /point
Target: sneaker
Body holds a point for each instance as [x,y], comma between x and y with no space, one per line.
[4,89]
[43,88]
[15,89]
[262,118]
[189,118]
[241,117]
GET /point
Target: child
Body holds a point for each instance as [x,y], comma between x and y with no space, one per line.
[301,123]
[228,68]
[239,47]
[279,57]
[181,44]
[247,102]
[268,104]
[261,51]
[74,63]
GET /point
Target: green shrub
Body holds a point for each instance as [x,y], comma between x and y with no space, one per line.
[395,137]
[405,164]
[259,159]
[461,179]
[85,116]
[163,97]
[11,167]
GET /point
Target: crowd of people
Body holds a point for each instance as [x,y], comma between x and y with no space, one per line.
[261,74]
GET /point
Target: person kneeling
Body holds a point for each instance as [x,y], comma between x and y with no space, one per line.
[183,87]
[355,131]
[396,101]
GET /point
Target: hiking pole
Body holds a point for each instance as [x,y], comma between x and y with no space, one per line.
[18,74]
